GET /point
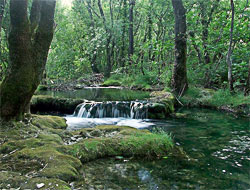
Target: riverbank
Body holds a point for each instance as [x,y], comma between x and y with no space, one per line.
[39,153]
[222,100]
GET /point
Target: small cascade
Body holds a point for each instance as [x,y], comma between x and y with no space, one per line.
[133,110]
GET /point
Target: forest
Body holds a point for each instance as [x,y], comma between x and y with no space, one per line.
[124,94]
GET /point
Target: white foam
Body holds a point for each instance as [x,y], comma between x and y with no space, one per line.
[75,123]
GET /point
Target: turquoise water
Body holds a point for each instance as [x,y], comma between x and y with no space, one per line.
[100,94]
[218,146]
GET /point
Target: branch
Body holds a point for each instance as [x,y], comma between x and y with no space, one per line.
[45,30]
[35,15]
[93,10]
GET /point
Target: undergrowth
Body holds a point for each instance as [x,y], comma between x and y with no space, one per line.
[135,81]
[199,96]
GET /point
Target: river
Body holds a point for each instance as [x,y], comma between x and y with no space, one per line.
[217,144]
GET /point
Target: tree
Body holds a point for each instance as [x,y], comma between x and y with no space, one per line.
[229,53]
[93,35]
[247,88]
[179,78]
[131,28]
[2,6]
[29,42]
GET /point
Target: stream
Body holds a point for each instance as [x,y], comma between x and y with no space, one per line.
[218,146]
[217,143]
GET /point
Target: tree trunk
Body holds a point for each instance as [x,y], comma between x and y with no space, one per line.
[150,26]
[131,29]
[2,6]
[108,67]
[229,53]
[123,33]
[205,24]
[27,57]
[93,35]
[247,88]
[179,78]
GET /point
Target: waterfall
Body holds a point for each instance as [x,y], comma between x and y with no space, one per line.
[133,110]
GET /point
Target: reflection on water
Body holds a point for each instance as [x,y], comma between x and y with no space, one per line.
[100,94]
[217,144]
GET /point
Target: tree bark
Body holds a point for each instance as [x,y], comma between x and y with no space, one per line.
[247,88]
[205,24]
[229,53]
[123,33]
[131,29]
[93,35]
[2,6]
[179,78]
[27,57]
[150,26]
[108,67]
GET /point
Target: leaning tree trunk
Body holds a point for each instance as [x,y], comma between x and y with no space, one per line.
[229,53]
[28,54]
[179,78]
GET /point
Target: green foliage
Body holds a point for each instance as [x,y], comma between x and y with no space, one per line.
[207,97]
[224,97]
[81,42]
[137,81]
[111,82]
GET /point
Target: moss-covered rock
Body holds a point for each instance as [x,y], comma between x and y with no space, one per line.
[125,141]
[13,180]
[51,122]
[48,104]
[162,105]
[35,151]
[56,164]
[35,148]
[42,87]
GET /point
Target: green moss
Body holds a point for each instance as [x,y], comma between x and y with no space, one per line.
[221,99]
[46,104]
[53,122]
[14,180]
[129,143]
[58,165]
[111,82]
[51,183]
[42,87]
[10,179]
[110,128]
[163,105]
[37,147]
[179,115]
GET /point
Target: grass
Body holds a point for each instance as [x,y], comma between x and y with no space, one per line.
[222,97]
[142,145]
[133,81]
[199,96]
[111,82]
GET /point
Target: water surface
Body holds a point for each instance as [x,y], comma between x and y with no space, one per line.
[218,146]
[100,94]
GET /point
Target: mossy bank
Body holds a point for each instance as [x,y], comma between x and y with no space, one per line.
[39,153]
[222,100]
